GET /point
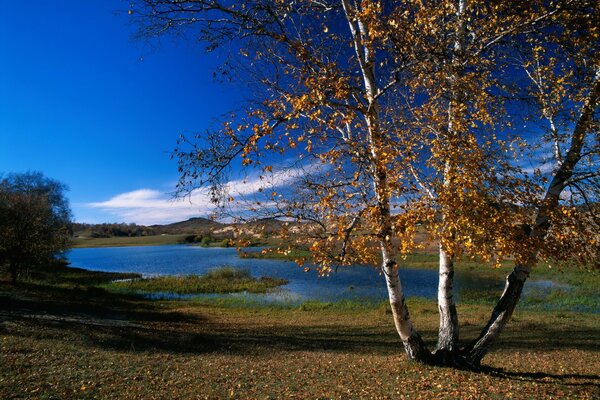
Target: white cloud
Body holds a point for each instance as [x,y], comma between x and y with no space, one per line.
[150,206]
[541,159]
[251,186]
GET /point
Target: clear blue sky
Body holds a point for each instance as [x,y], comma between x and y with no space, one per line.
[84,103]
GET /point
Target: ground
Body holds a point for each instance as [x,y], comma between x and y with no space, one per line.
[71,340]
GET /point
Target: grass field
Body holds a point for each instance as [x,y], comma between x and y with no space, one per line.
[66,338]
[155,240]
[274,255]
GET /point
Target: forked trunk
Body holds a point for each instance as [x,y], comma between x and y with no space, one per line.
[448,329]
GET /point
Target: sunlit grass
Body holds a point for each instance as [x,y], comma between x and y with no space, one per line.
[155,240]
[220,280]
[64,338]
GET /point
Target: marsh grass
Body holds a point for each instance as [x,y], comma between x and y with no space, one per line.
[274,255]
[219,280]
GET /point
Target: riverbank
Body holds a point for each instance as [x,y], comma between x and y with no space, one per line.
[159,240]
[475,283]
[123,241]
[67,338]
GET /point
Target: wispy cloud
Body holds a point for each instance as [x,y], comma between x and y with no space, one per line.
[542,160]
[149,206]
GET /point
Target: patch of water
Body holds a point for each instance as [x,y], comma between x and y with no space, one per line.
[352,283]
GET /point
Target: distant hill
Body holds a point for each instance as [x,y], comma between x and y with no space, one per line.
[267,225]
[193,226]
[197,225]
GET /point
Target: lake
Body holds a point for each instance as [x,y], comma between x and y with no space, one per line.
[351,283]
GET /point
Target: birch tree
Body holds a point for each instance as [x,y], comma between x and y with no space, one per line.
[464,169]
[562,67]
[392,113]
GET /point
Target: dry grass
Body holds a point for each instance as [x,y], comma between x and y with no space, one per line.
[77,342]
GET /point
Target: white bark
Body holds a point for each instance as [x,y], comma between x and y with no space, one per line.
[413,344]
[448,329]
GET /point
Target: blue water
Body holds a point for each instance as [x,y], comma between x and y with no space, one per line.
[352,283]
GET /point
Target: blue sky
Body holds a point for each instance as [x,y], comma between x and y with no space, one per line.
[84,103]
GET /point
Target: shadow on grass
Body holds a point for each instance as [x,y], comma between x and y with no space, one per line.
[169,333]
[80,306]
[90,317]
[547,378]
[120,321]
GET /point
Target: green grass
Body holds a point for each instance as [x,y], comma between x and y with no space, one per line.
[274,255]
[576,288]
[60,274]
[155,240]
[220,280]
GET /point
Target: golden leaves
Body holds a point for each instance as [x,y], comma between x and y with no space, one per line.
[428,143]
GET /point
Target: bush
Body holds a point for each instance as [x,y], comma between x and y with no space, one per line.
[35,223]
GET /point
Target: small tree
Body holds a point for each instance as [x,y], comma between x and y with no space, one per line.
[34,221]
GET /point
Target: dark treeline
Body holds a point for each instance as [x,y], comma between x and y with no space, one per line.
[113,229]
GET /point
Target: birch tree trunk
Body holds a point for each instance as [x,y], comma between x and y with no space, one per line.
[515,281]
[413,344]
[500,315]
[448,332]
[448,329]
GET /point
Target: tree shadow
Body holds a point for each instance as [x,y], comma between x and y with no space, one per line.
[165,332]
[92,317]
[544,337]
[126,322]
[84,302]
[546,378]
